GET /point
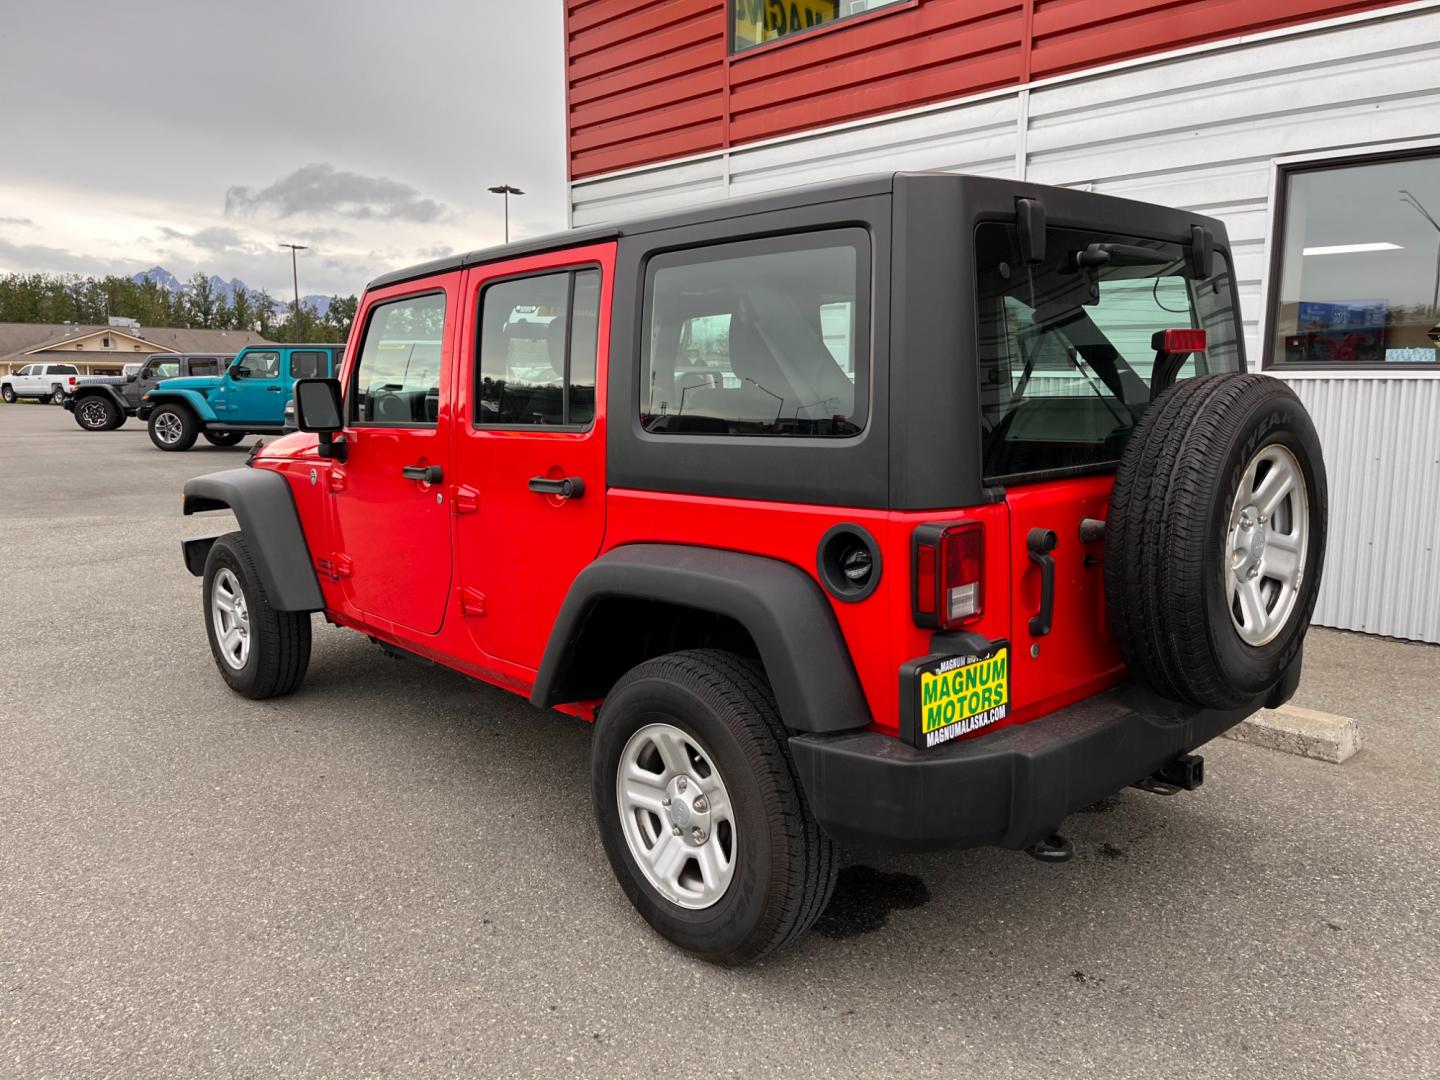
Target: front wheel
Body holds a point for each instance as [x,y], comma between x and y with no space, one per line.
[261,652]
[173,427]
[700,811]
[224,438]
[7,393]
[96,414]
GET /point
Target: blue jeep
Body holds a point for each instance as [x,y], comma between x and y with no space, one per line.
[249,398]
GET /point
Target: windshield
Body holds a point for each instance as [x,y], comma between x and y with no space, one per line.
[1066,363]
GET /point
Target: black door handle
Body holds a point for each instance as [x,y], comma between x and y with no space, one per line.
[426,474]
[1039,543]
[569,487]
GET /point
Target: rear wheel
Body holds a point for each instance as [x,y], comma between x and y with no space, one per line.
[260,652]
[1216,538]
[95,413]
[57,395]
[173,427]
[700,811]
[224,438]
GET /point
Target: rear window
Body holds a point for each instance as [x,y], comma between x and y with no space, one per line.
[1065,373]
[759,337]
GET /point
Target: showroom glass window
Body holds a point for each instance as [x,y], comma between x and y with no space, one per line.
[1358,266]
[758,22]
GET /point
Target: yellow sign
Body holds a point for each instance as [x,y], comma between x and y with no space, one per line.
[759,21]
[957,697]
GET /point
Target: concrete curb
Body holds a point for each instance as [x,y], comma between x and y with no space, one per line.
[1304,732]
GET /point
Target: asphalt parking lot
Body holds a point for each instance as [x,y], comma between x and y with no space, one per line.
[395,871]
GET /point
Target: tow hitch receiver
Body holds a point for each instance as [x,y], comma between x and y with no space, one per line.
[1185,773]
[1053,849]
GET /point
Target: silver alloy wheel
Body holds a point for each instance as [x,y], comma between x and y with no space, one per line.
[93,414]
[57,396]
[1268,539]
[168,428]
[676,816]
[231,616]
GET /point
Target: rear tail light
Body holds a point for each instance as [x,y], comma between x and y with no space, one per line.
[1178,342]
[948,561]
[72,380]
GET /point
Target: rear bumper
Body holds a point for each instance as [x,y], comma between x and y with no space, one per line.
[1011,788]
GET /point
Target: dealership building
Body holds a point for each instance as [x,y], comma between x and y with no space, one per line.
[1310,127]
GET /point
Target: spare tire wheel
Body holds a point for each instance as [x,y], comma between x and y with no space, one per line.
[1216,538]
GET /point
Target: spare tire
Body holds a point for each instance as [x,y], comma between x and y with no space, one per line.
[1216,538]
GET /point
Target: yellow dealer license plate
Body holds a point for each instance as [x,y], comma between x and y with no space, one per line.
[946,697]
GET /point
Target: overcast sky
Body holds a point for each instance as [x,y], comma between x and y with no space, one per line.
[198,135]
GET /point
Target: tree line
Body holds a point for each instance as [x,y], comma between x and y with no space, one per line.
[60,298]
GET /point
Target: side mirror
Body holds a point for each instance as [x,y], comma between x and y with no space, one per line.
[239,371]
[132,377]
[318,409]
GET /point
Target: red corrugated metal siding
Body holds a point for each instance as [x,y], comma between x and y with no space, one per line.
[651,80]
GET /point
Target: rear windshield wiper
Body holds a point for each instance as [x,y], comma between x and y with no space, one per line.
[1106,254]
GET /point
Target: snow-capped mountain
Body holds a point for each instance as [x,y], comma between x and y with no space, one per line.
[314,303]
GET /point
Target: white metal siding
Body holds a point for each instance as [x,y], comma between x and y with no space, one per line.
[1382,451]
[1201,130]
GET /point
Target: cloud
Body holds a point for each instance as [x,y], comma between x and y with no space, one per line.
[23,222]
[216,238]
[39,258]
[323,235]
[324,189]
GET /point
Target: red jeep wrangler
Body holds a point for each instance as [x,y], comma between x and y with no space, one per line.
[915,511]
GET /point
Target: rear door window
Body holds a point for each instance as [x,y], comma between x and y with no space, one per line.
[538,342]
[1066,361]
[759,337]
[204,365]
[307,364]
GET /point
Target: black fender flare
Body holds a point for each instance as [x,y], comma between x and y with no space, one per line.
[781,606]
[265,509]
[103,390]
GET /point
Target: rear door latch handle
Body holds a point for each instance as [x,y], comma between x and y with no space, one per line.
[569,487]
[1039,543]
[426,474]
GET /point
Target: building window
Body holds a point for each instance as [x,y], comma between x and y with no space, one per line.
[105,343]
[1357,266]
[756,22]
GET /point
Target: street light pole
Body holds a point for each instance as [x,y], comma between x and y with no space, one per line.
[506,190]
[1410,200]
[295,275]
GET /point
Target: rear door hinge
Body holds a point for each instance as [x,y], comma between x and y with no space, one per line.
[466,499]
[336,567]
[472,603]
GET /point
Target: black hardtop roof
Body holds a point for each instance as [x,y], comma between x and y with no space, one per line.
[730,209]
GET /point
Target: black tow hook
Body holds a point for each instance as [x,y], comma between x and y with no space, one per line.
[1053,849]
[1185,773]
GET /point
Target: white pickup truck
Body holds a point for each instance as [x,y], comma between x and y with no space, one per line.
[43,382]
